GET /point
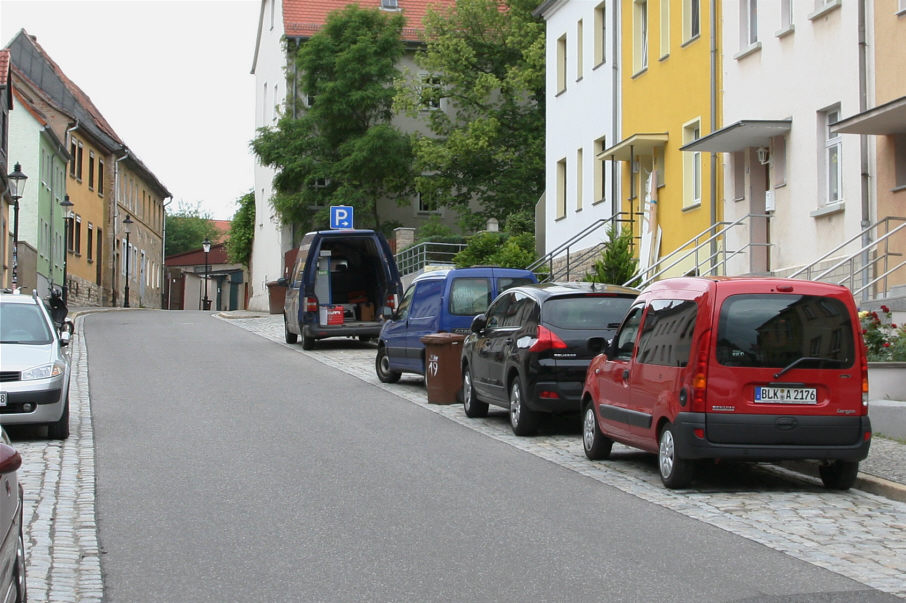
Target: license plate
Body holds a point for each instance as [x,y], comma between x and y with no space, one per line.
[2,398]
[786,395]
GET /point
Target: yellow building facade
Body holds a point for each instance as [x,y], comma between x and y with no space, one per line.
[670,96]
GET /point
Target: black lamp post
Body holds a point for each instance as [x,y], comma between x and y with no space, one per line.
[206,245]
[127,224]
[16,188]
[66,204]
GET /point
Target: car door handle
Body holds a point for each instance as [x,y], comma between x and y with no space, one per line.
[626,375]
[508,340]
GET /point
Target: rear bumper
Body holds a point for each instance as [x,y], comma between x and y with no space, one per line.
[772,437]
[352,329]
[569,396]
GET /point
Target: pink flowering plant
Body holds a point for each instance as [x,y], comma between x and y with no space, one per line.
[884,339]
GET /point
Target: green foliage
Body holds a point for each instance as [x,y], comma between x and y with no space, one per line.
[521,222]
[884,340]
[186,228]
[488,143]
[616,265]
[242,231]
[342,150]
[497,249]
[433,230]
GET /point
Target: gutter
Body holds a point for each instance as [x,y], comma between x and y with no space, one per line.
[863,139]
[163,255]
[714,57]
[116,204]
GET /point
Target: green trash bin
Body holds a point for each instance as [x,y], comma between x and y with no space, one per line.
[443,369]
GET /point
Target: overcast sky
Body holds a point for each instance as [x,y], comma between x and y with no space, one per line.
[172,77]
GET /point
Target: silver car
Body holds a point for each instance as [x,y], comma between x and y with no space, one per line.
[34,366]
[12,543]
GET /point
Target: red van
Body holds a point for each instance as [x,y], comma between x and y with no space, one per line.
[752,369]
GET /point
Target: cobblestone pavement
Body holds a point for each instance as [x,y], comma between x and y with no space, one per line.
[859,535]
[856,534]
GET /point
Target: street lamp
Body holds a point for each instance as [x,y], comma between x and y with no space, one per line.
[206,245]
[16,188]
[66,204]
[127,224]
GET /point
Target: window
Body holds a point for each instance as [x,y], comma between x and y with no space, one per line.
[90,241]
[100,178]
[70,234]
[666,337]
[601,33]
[469,296]
[579,180]
[691,19]
[786,16]
[427,204]
[98,255]
[72,157]
[625,339]
[833,176]
[389,4]
[78,173]
[901,6]
[77,246]
[579,68]
[692,167]
[91,170]
[899,159]
[748,22]
[498,312]
[599,192]
[640,35]
[430,92]
[665,28]
[561,189]
[561,64]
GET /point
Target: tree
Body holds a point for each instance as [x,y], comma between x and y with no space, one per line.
[242,231]
[342,149]
[186,228]
[514,248]
[616,265]
[489,145]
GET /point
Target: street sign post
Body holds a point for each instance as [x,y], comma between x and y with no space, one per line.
[341,216]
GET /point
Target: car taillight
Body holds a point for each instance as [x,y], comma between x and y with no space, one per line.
[391,301]
[700,376]
[311,304]
[864,370]
[547,340]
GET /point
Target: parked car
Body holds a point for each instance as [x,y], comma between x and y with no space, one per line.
[440,301]
[12,545]
[753,369]
[340,285]
[34,365]
[529,352]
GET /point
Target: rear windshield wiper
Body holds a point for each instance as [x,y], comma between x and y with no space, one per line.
[792,365]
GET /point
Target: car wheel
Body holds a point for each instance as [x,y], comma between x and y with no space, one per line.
[474,407]
[523,420]
[597,445]
[19,569]
[308,342]
[675,472]
[60,429]
[382,367]
[839,475]
[287,336]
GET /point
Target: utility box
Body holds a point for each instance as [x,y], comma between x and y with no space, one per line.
[443,370]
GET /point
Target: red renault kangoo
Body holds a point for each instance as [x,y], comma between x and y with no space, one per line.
[752,369]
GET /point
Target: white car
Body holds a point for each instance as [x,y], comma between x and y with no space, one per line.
[12,545]
[34,366]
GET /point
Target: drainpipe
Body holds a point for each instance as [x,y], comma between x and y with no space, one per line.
[617,109]
[67,141]
[116,217]
[714,122]
[163,254]
[863,142]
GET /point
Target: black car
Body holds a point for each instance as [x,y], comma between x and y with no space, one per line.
[530,351]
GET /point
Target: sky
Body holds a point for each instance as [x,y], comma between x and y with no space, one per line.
[172,77]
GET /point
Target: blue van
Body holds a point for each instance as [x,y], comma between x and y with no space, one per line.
[438,301]
[342,285]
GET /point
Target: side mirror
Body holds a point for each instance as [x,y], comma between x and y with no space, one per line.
[10,460]
[282,282]
[598,345]
[386,312]
[479,323]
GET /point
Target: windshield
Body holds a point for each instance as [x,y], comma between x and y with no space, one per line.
[586,312]
[23,323]
[777,330]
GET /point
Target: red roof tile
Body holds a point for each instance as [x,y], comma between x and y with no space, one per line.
[303,18]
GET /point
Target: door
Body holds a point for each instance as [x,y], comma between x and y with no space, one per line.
[489,347]
[293,293]
[613,401]
[423,313]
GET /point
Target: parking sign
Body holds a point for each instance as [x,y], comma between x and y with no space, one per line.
[341,216]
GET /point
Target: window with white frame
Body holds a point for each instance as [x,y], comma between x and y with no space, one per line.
[665,28]
[692,166]
[561,189]
[561,64]
[600,33]
[579,180]
[901,6]
[748,23]
[899,159]
[430,92]
[691,19]
[389,4]
[833,151]
[786,14]
[640,35]
[579,54]
[600,187]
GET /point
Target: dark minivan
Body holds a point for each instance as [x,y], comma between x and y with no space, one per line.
[530,351]
[341,285]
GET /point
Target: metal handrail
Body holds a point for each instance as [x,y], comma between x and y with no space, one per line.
[807,269]
[412,259]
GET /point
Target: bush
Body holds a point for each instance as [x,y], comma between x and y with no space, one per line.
[884,340]
[497,249]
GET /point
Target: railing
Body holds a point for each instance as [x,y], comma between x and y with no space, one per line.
[866,267]
[552,274]
[714,263]
[413,259]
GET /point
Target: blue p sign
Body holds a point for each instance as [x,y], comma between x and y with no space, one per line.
[341,216]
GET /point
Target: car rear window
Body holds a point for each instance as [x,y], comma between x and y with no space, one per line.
[506,282]
[775,330]
[23,323]
[469,295]
[585,311]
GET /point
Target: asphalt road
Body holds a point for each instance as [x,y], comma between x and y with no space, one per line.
[230,468]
